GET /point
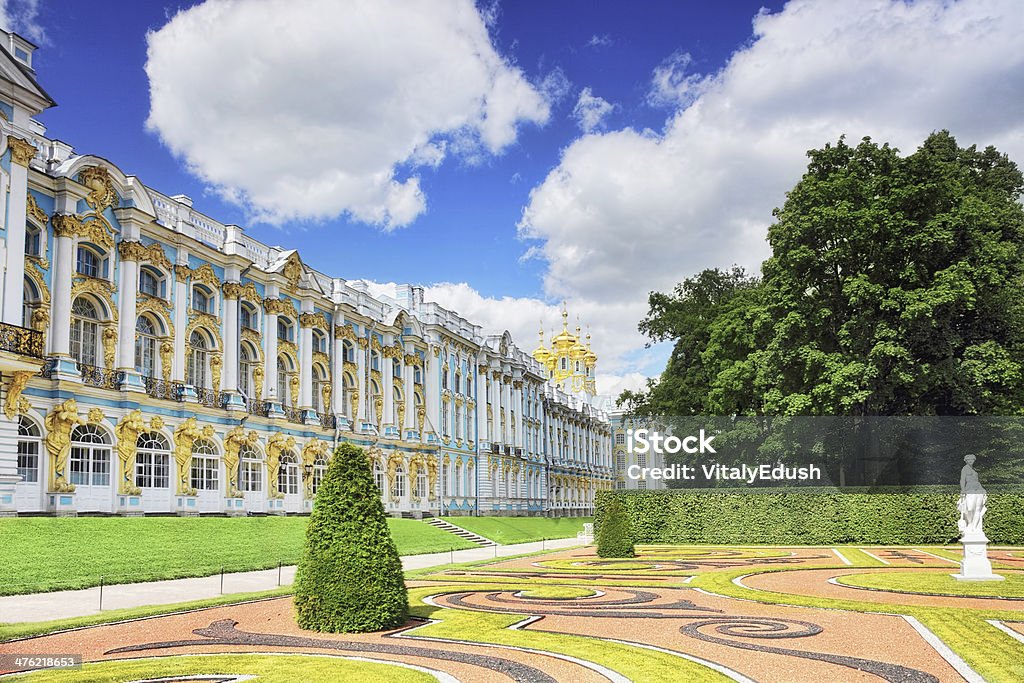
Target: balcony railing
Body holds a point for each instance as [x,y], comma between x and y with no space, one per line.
[21,340]
[292,414]
[254,407]
[157,388]
[210,397]
[95,376]
[328,421]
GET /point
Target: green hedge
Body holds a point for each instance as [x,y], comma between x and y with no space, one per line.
[801,518]
[613,536]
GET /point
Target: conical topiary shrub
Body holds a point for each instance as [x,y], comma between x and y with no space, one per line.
[613,535]
[350,576]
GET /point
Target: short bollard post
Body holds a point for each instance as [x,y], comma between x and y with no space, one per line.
[451,556]
[222,580]
[543,544]
[101,592]
[495,549]
[279,573]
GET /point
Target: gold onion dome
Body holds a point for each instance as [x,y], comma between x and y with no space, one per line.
[564,341]
[578,351]
[541,353]
[590,358]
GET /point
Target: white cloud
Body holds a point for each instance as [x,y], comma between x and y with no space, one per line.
[603,40]
[628,211]
[671,85]
[22,17]
[590,110]
[313,109]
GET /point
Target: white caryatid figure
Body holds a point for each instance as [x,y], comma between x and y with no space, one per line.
[972,500]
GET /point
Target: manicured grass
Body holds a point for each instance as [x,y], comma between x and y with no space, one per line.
[939,584]
[506,530]
[557,592]
[46,553]
[266,668]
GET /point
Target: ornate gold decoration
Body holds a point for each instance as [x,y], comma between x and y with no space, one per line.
[66,224]
[292,271]
[254,338]
[156,307]
[322,358]
[282,306]
[378,408]
[314,450]
[101,187]
[414,467]
[375,343]
[34,212]
[185,436]
[166,359]
[109,339]
[421,415]
[517,384]
[290,349]
[135,251]
[232,290]
[16,403]
[276,445]
[206,275]
[400,409]
[98,288]
[94,416]
[257,381]
[354,398]
[96,231]
[431,463]
[314,320]
[208,323]
[411,359]
[363,342]
[233,442]
[325,395]
[345,332]
[216,363]
[59,423]
[22,151]
[293,389]
[182,272]
[127,432]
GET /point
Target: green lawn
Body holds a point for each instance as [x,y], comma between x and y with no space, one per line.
[46,553]
[940,584]
[521,529]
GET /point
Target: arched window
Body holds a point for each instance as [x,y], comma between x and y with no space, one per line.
[151,282]
[246,364]
[458,383]
[319,382]
[398,483]
[396,369]
[319,341]
[152,461]
[348,351]
[374,395]
[202,300]
[374,361]
[348,386]
[417,375]
[90,456]
[33,241]
[459,490]
[205,475]
[198,353]
[30,302]
[29,438]
[85,331]
[285,329]
[145,346]
[319,469]
[90,262]
[247,316]
[564,364]
[250,469]
[446,479]
[422,482]
[458,422]
[288,477]
[283,380]
[378,476]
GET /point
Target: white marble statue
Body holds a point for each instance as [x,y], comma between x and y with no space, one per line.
[972,500]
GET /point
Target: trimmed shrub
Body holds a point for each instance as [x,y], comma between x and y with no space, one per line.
[803,518]
[350,575]
[613,534]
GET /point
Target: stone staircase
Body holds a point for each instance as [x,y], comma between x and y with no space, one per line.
[460,532]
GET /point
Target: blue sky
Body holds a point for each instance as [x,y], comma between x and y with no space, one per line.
[511,155]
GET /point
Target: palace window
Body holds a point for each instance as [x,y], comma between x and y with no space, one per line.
[564,364]
[620,439]
[446,479]
[421,484]
[319,469]
[151,282]
[319,382]
[198,352]
[319,341]
[396,369]
[85,331]
[247,317]
[378,476]
[152,461]
[288,478]
[33,241]
[28,449]
[459,487]
[285,330]
[398,483]
[145,346]
[417,375]
[458,422]
[250,470]
[458,383]
[90,456]
[348,351]
[246,364]
[205,475]
[90,262]
[348,386]
[202,300]
[375,361]
[284,394]
[30,302]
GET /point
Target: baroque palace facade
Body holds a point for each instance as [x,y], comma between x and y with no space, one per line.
[154,360]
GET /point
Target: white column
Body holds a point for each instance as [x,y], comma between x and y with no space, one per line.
[363,391]
[338,406]
[517,401]
[129,286]
[231,343]
[180,317]
[306,367]
[388,387]
[506,405]
[270,355]
[14,276]
[410,398]
[481,404]
[433,397]
[495,393]
[63,267]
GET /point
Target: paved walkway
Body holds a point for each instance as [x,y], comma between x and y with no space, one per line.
[65,604]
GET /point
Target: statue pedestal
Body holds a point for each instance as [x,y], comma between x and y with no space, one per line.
[275,506]
[234,507]
[975,565]
[129,505]
[62,504]
[186,506]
